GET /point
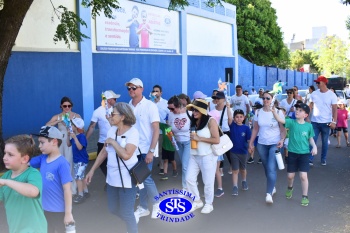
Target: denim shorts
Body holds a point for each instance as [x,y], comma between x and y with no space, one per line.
[297,162]
[220,158]
[79,170]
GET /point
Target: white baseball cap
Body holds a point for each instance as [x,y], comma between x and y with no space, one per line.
[135,81]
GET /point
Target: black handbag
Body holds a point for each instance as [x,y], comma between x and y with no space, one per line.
[139,172]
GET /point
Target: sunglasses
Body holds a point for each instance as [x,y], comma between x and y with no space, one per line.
[265,98]
[133,88]
[171,109]
[246,94]
[113,113]
[317,82]
[289,92]
[66,106]
[154,91]
[194,110]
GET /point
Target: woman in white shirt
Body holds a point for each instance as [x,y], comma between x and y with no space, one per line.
[121,144]
[271,136]
[288,104]
[202,158]
[179,120]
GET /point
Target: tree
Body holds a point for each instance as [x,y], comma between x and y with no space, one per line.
[259,37]
[300,57]
[331,55]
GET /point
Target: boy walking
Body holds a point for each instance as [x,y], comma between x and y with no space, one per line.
[21,186]
[301,134]
[78,142]
[56,178]
[240,135]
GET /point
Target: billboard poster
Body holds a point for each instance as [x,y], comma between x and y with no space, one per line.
[138,28]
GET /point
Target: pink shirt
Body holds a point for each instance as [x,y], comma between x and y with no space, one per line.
[342,120]
[144,35]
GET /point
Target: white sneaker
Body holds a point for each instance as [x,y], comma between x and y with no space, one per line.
[155,211]
[268,198]
[140,212]
[273,191]
[207,209]
[196,205]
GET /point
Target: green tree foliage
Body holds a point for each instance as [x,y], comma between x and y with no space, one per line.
[331,55]
[300,57]
[260,39]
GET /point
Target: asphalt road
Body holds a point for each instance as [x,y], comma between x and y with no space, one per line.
[328,211]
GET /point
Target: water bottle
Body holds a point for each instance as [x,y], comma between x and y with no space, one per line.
[279,160]
[123,142]
[70,227]
[193,142]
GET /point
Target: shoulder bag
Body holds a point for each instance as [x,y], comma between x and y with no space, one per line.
[224,145]
[139,172]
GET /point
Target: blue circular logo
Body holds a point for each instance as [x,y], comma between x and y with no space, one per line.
[175,206]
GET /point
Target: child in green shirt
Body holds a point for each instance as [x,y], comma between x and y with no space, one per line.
[21,186]
[301,134]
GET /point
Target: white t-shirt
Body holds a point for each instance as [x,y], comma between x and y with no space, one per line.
[269,130]
[322,106]
[146,112]
[99,117]
[211,105]
[240,102]
[287,106]
[113,176]
[163,110]
[180,125]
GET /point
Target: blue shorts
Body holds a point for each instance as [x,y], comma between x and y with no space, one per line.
[79,170]
[297,162]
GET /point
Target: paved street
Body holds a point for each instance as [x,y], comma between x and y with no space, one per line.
[329,209]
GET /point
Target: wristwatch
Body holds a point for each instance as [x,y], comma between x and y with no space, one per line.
[152,150]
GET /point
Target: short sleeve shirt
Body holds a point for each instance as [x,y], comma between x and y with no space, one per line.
[299,135]
[240,102]
[180,125]
[24,214]
[113,177]
[99,117]
[269,130]
[146,112]
[322,106]
[54,175]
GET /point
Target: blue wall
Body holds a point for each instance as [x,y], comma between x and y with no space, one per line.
[251,75]
[34,85]
[35,82]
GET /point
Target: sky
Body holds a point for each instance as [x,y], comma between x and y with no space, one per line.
[299,16]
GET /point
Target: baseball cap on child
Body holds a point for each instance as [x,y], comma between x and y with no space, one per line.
[50,132]
[78,122]
[303,107]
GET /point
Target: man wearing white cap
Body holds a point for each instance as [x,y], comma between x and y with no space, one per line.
[147,123]
[99,117]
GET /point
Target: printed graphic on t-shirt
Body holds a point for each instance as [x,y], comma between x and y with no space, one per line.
[50,176]
[238,102]
[180,123]
[304,134]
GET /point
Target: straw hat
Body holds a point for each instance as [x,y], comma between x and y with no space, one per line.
[199,104]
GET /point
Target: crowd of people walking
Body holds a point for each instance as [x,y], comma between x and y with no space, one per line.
[139,131]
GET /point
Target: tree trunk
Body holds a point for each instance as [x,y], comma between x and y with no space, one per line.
[11,18]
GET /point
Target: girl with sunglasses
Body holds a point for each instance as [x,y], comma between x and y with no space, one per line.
[61,120]
[202,158]
[271,137]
